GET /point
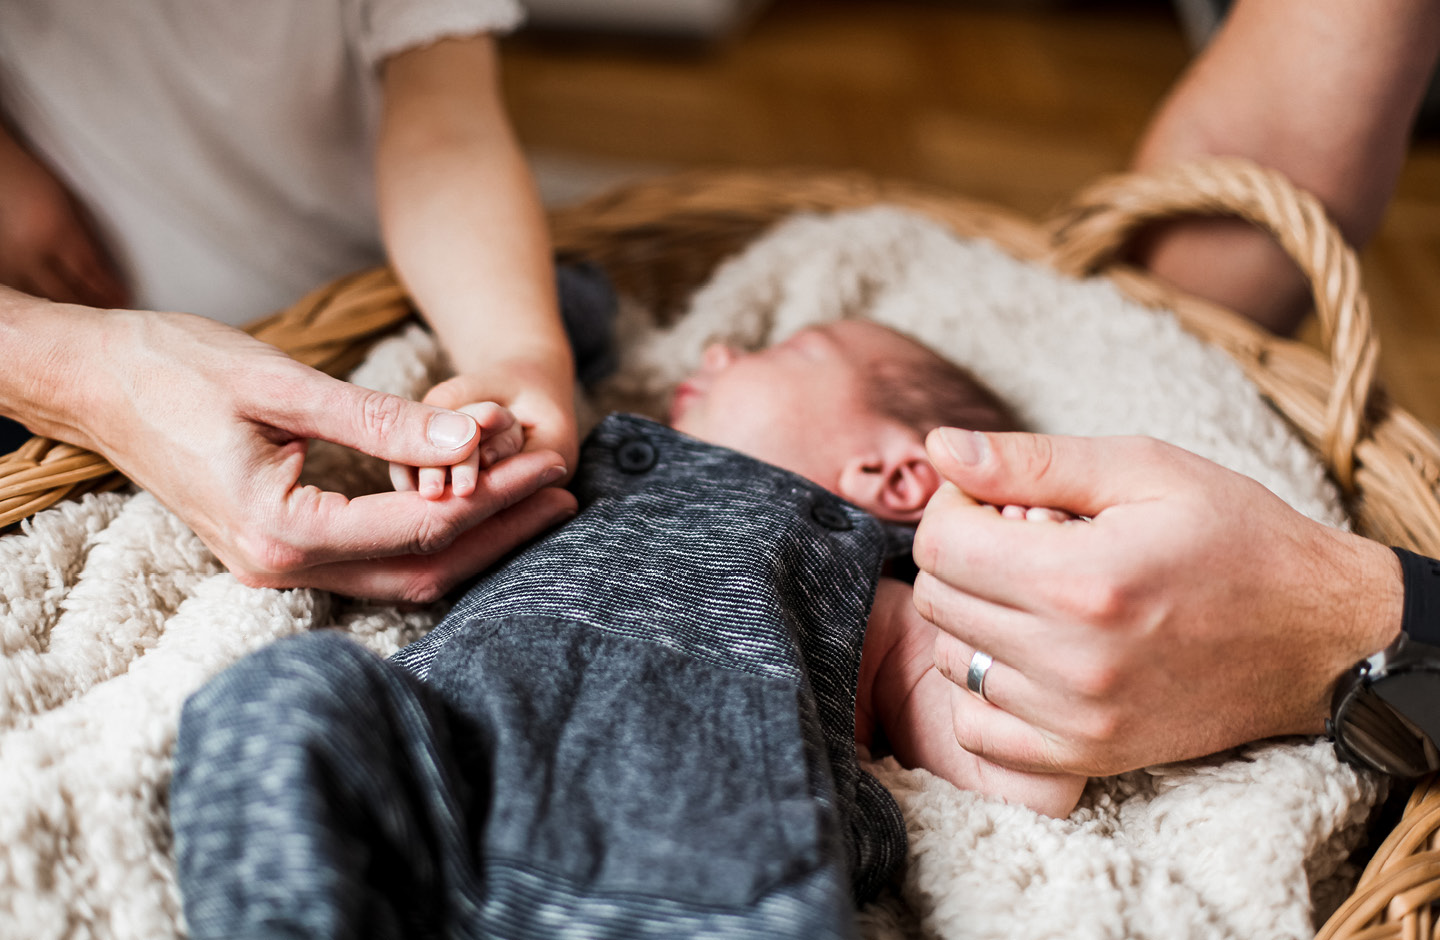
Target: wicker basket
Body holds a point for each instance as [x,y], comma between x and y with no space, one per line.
[659,241]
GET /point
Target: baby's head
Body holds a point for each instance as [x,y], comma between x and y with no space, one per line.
[846,405]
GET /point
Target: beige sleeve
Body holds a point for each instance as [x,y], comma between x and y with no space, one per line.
[386,27]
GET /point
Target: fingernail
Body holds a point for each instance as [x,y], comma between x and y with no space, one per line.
[551,475]
[451,430]
[491,455]
[967,447]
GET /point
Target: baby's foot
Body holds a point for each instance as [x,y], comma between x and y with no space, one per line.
[902,693]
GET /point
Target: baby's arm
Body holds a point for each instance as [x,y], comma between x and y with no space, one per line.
[902,693]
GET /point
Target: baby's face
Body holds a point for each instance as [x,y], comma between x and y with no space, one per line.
[799,404]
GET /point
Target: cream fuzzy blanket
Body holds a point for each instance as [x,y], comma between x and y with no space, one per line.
[112,612]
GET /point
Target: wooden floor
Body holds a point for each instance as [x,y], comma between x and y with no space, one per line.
[1017,106]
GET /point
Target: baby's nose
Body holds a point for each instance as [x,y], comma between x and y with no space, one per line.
[717,356]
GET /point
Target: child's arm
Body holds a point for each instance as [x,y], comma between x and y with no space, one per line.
[466,233]
[903,694]
[48,246]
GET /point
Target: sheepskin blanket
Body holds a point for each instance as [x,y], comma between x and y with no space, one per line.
[112,612]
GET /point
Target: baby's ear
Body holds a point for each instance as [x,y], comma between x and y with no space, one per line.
[892,482]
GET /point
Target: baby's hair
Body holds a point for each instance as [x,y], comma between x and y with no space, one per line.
[925,391]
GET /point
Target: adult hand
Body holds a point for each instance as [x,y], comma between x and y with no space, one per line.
[47,245]
[216,425]
[1195,611]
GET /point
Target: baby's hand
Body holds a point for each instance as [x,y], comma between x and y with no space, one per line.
[1030,513]
[903,693]
[501,436]
[1038,514]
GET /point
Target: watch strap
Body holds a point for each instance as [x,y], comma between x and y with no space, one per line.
[1421,619]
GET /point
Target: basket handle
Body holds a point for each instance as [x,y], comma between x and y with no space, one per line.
[1103,218]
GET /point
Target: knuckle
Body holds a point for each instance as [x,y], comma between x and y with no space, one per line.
[1156,456]
[1050,757]
[1039,459]
[973,732]
[284,380]
[496,418]
[924,596]
[425,588]
[432,534]
[380,414]
[926,547]
[1103,602]
[263,555]
[1096,735]
[950,657]
[940,548]
[1096,681]
[969,733]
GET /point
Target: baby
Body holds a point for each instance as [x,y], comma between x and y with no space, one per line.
[645,723]
[847,405]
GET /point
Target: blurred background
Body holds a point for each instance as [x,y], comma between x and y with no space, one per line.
[1015,102]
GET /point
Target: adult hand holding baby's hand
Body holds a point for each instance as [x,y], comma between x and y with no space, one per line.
[901,690]
[1194,612]
[216,425]
[538,393]
[500,436]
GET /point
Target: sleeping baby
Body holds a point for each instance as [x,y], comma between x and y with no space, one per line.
[644,723]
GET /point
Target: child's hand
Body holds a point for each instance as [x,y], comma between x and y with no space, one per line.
[539,393]
[501,436]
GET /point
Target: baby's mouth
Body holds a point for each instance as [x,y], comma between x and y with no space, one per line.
[681,399]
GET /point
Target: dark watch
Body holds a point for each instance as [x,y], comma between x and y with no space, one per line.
[1386,711]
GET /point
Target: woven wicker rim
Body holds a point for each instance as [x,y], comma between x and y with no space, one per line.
[660,239]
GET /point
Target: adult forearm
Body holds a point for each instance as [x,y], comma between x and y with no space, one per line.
[1325,91]
[44,382]
[461,217]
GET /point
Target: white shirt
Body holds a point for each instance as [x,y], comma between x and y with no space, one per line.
[224,147]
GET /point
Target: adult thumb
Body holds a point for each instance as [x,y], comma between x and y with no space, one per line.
[1081,475]
[379,424]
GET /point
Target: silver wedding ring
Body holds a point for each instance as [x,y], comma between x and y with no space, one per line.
[980,664]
